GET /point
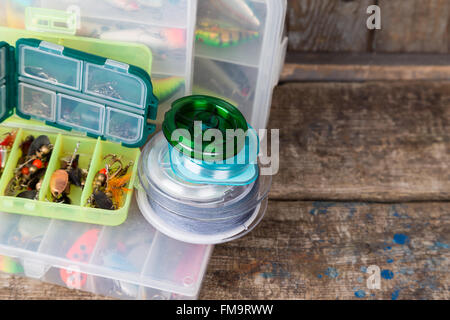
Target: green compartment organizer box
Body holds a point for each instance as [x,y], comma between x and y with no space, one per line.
[90,96]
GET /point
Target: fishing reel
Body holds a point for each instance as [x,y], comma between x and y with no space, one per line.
[197,191]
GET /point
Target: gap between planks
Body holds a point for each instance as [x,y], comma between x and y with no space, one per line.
[365,67]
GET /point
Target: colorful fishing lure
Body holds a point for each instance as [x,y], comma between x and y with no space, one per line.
[9,265]
[239,11]
[219,36]
[166,88]
[80,252]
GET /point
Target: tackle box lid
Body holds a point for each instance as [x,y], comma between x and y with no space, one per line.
[74,90]
[130,261]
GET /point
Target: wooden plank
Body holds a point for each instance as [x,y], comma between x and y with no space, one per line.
[381,141]
[316,250]
[365,67]
[328,25]
[413,26]
[319,250]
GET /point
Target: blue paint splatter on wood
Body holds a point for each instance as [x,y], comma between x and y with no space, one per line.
[321,207]
[319,276]
[387,248]
[390,260]
[332,272]
[395,294]
[360,279]
[363,269]
[400,238]
[360,294]
[387,274]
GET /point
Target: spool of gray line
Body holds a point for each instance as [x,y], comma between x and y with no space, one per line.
[196,213]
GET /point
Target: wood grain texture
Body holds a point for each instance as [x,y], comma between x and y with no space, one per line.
[382,141]
[413,26]
[319,250]
[328,25]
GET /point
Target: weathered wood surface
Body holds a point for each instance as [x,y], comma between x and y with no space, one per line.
[384,141]
[413,26]
[327,25]
[340,26]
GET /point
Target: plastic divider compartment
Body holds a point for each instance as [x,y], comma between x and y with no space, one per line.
[168,44]
[125,248]
[73,279]
[50,67]
[123,126]
[37,102]
[115,85]
[80,114]
[22,231]
[148,293]
[65,149]
[167,89]
[154,12]
[114,288]
[12,203]
[182,267]
[231,82]
[103,149]
[13,151]
[235,42]
[72,241]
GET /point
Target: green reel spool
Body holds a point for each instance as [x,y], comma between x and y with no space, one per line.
[213,113]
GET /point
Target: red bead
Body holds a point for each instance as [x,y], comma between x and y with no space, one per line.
[37,163]
[103,171]
[25,171]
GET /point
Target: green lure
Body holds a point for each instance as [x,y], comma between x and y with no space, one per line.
[9,265]
[166,88]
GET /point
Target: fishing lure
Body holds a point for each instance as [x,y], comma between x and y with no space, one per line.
[109,184]
[69,173]
[219,36]
[10,265]
[225,79]
[127,5]
[5,146]
[31,168]
[80,252]
[239,11]
[160,41]
[166,88]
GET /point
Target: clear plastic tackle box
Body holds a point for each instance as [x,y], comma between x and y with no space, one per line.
[231,49]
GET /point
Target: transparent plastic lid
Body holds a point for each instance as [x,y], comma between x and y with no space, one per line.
[71,89]
[50,66]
